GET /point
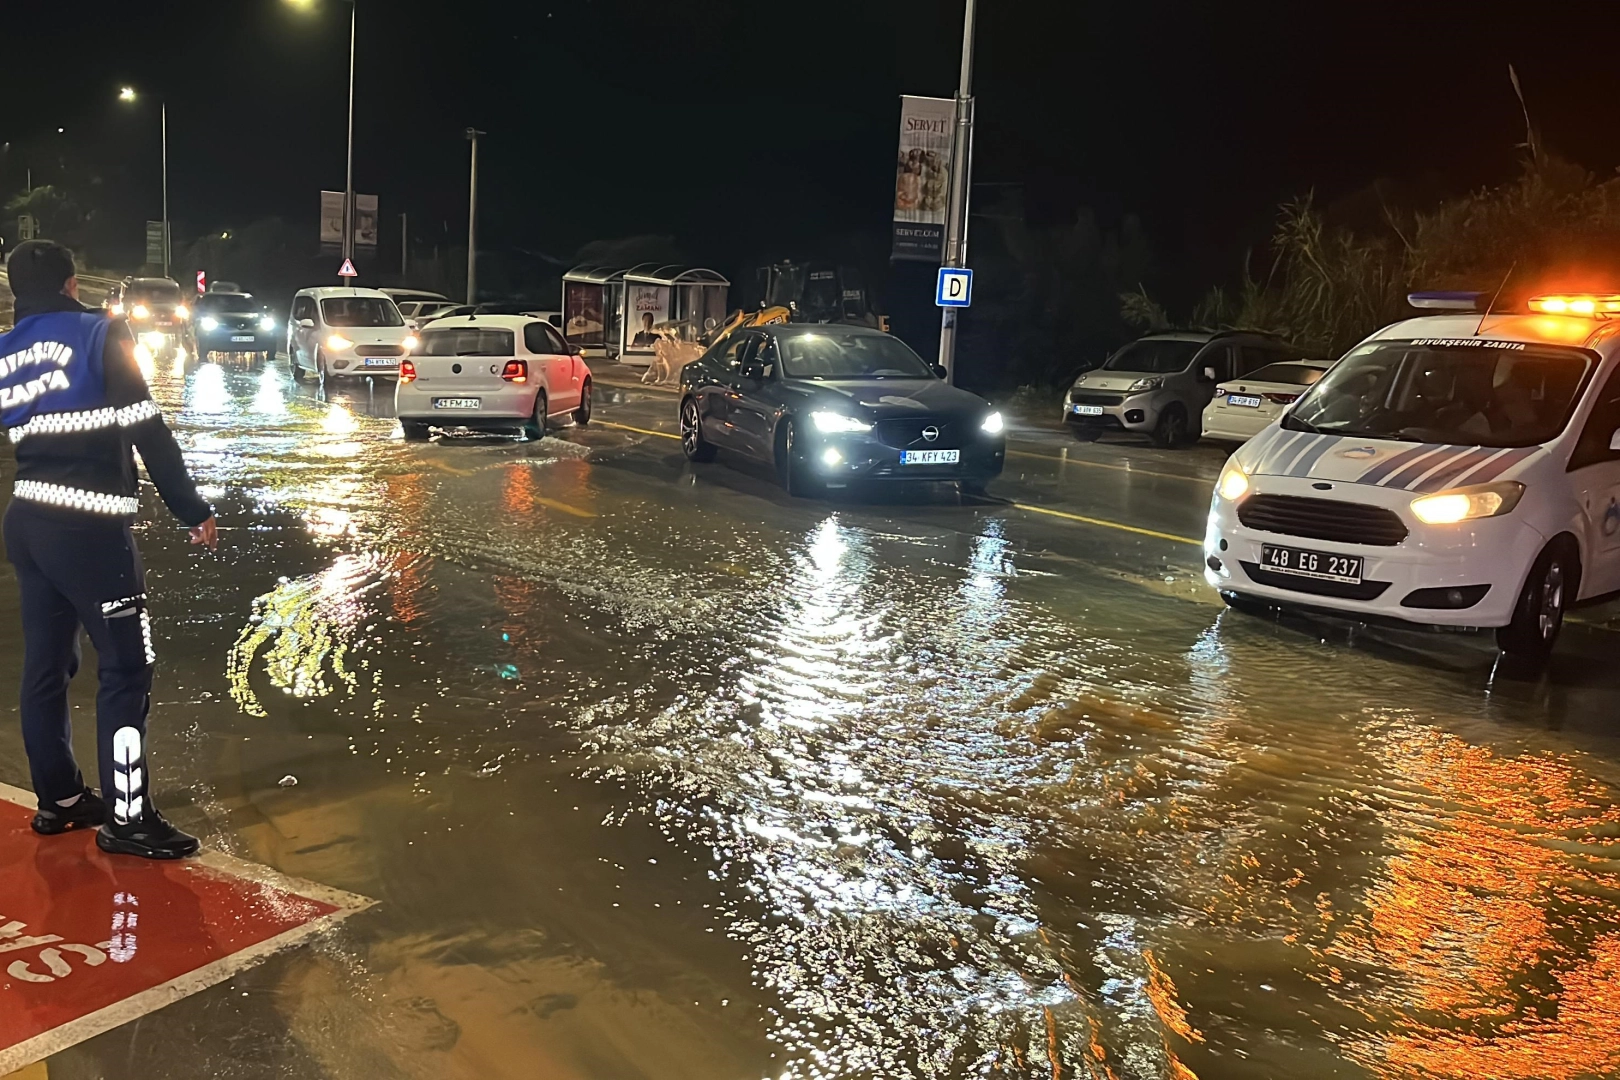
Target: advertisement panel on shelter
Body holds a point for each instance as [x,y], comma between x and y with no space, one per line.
[646,306]
[922,178]
[582,314]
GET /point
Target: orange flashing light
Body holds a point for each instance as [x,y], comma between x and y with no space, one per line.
[1588,305]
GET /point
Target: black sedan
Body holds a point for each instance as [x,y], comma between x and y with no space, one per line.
[828,406]
[235,323]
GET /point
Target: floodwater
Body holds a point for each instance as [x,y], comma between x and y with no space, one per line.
[654,772]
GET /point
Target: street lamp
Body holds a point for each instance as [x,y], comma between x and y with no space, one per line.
[128,94]
[348,182]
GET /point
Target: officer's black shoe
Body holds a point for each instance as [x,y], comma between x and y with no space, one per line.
[87,812]
[151,838]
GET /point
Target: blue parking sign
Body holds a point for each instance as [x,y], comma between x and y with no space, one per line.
[955,287]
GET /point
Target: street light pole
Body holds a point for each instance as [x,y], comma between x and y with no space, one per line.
[348,181]
[472,219]
[956,223]
[163,108]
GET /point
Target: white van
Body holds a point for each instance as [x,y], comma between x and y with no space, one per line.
[335,332]
[1457,471]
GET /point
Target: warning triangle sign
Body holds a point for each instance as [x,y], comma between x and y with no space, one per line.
[347,269]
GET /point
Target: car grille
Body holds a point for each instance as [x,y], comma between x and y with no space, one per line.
[1095,397]
[905,432]
[1322,519]
[379,350]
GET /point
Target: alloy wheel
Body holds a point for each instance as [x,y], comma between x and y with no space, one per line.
[689,426]
[1552,601]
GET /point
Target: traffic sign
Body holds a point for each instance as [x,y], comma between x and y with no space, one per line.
[955,287]
[202,282]
[347,269]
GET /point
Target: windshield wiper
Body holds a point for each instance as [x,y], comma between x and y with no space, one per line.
[1306,425]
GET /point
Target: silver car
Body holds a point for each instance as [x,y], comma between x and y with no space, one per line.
[1159,385]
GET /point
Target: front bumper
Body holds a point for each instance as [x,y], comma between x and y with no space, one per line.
[349,362]
[1118,412]
[225,339]
[1493,552]
[862,457]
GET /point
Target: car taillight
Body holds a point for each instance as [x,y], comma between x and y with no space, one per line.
[407,371]
[1283,399]
[516,371]
[1220,391]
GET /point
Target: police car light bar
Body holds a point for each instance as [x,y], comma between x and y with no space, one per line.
[1447,301]
[1588,304]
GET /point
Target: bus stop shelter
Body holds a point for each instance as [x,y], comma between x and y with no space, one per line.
[678,302]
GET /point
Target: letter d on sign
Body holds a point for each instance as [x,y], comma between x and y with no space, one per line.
[955,287]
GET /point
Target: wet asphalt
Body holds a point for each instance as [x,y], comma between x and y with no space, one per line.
[656,772]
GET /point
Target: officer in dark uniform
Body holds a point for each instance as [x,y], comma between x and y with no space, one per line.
[74,402]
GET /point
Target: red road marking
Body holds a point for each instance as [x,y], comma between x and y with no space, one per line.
[90,941]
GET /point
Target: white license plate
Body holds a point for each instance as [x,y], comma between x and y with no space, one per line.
[381,361]
[241,337]
[457,403]
[930,457]
[1243,401]
[1088,410]
[1322,565]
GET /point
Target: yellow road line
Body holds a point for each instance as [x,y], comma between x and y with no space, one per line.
[1107,524]
[1116,468]
[639,430]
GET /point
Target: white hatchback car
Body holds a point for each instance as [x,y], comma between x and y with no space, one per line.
[334,332]
[1458,471]
[491,372]
[1242,407]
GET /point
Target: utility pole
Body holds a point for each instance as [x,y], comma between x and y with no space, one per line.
[472,219]
[163,108]
[348,183]
[956,222]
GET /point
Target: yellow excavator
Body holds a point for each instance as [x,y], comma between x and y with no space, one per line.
[803,292]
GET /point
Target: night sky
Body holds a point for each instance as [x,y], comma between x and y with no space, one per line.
[751,128]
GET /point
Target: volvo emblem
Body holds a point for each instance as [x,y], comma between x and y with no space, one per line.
[930,433]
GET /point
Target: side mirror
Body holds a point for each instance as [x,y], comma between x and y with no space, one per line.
[1209,374]
[412,324]
[306,324]
[575,350]
[756,372]
[1614,440]
[939,369]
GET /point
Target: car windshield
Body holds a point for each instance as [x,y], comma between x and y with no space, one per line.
[466,341]
[1471,392]
[153,292]
[218,302]
[849,356]
[1155,356]
[1290,374]
[360,311]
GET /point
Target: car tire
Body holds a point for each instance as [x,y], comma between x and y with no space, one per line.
[693,444]
[790,472]
[1086,434]
[582,415]
[415,430]
[535,428]
[1171,431]
[1550,587]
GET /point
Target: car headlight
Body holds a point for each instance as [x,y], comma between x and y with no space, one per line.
[1145,384]
[829,423]
[267,324]
[140,311]
[208,322]
[993,424]
[1468,503]
[411,342]
[1233,484]
[339,343]
[182,312]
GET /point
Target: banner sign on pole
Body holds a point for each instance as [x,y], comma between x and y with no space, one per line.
[365,219]
[27,227]
[154,243]
[955,287]
[922,174]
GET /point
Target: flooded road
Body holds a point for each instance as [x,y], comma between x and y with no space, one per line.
[655,772]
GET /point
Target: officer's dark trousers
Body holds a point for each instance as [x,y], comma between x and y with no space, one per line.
[80,569]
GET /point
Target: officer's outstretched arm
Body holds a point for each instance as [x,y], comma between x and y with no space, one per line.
[127,387]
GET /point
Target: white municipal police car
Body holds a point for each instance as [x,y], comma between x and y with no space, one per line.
[1452,470]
